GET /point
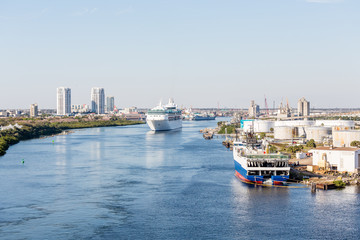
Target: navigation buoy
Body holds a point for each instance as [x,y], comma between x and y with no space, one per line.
[23,161]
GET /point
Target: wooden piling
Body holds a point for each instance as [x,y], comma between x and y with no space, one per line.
[313,187]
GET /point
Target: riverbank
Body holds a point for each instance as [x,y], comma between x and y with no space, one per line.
[31,128]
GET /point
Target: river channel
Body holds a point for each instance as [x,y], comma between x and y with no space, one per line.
[130,183]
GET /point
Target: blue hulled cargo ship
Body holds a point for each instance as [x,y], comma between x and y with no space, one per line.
[203,117]
[254,163]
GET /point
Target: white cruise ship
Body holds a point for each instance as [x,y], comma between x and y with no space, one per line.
[164,117]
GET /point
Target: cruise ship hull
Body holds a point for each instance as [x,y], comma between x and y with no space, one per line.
[164,125]
[241,173]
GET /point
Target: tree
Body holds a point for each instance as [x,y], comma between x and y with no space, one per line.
[355,144]
[271,129]
[262,135]
[272,149]
[311,143]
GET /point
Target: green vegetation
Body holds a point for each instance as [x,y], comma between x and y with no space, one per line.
[220,123]
[355,144]
[262,135]
[339,183]
[92,124]
[295,148]
[272,149]
[311,143]
[230,129]
[32,130]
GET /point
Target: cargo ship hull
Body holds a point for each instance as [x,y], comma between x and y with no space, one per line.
[241,173]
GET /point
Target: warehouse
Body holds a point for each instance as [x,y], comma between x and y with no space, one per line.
[342,159]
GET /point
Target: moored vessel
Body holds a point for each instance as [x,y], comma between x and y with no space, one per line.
[164,117]
[203,117]
[254,163]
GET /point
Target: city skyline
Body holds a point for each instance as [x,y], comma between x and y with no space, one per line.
[203,53]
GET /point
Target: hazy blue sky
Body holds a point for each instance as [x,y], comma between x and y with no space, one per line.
[200,52]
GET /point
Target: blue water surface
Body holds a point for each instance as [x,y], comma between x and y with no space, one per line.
[130,183]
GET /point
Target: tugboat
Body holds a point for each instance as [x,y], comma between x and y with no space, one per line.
[254,163]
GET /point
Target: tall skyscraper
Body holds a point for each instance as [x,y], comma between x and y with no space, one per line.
[33,110]
[110,104]
[303,107]
[63,101]
[98,100]
[254,109]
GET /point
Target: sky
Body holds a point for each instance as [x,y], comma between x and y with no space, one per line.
[203,53]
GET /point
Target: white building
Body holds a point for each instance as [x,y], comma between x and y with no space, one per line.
[303,107]
[344,138]
[34,110]
[343,159]
[254,110]
[110,104]
[80,108]
[63,101]
[98,100]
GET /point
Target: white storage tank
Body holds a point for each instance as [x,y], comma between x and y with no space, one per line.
[345,137]
[283,132]
[295,123]
[345,124]
[317,133]
[263,126]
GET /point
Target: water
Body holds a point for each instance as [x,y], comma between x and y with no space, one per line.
[129,183]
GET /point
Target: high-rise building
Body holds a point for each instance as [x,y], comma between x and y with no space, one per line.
[98,100]
[33,110]
[254,110]
[303,107]
[63,101]
[110,104]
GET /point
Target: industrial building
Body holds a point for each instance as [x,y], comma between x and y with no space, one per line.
[318,130]
[63,101]
[344,159]
[343,138]
[98,100]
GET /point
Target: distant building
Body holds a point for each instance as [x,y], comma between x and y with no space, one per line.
[80,108]
[254,110]
[284,111]
[110,104]
[98,100]
[33,110]
[63,101]
[343,159]
[4,114]
[303,107]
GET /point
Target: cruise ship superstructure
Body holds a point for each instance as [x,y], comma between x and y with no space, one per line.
[164,117]
[254,163]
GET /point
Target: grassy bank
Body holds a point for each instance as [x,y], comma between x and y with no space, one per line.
[32,130]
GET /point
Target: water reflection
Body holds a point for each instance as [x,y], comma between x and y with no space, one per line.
[251,204]
[154,156]
[159,146]
[62,150]
[97,144]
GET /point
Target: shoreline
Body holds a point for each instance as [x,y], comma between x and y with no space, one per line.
[38,130]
